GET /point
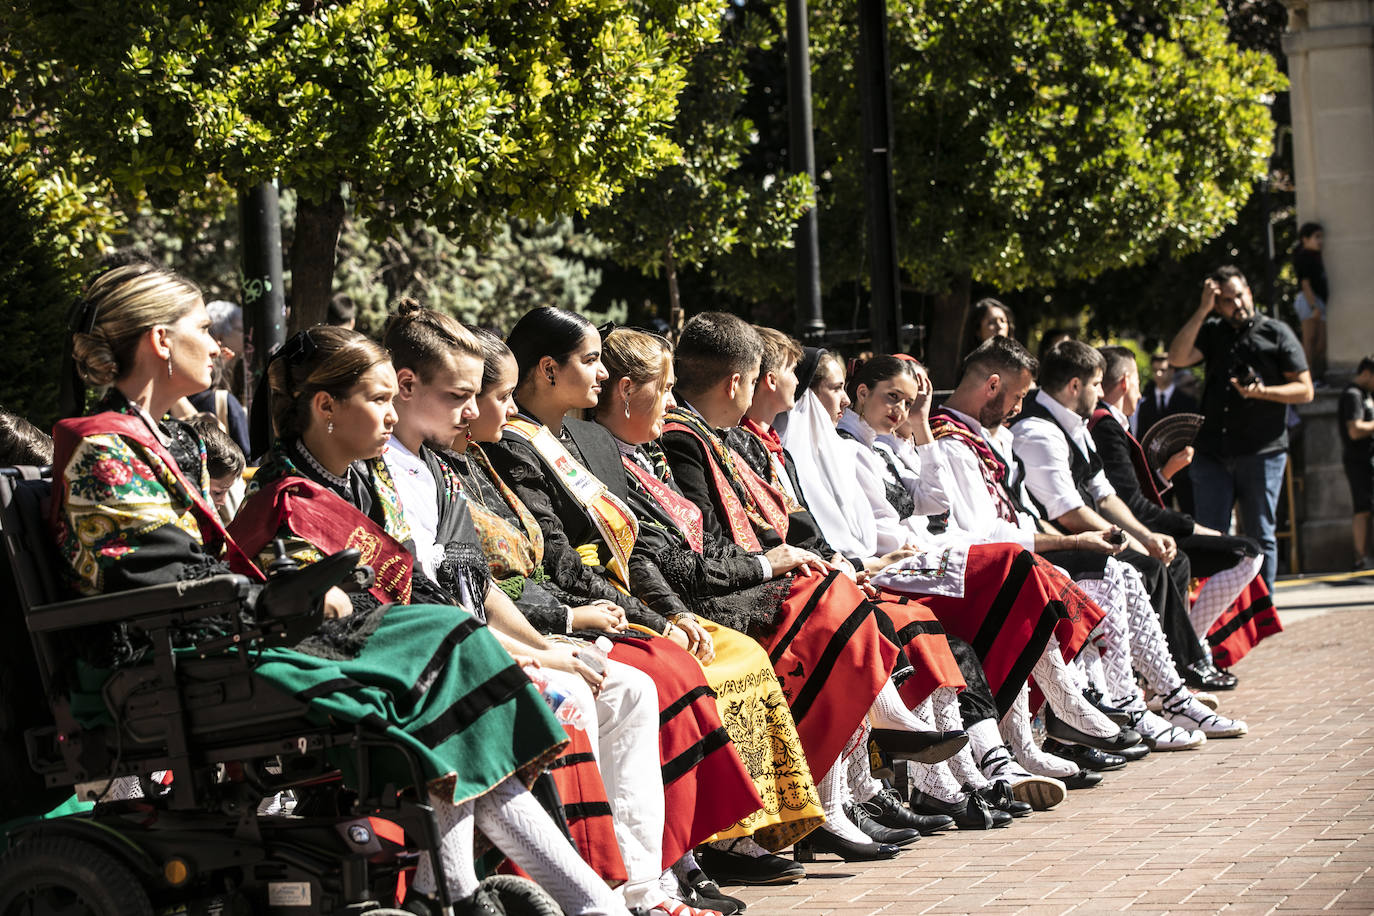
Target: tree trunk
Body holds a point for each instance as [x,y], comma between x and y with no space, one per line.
[675,317]
[312,259]
[945,342]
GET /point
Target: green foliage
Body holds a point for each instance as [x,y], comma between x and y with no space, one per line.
[38,283]
[728,190]
[456,113]
[1039,140]
[524,267]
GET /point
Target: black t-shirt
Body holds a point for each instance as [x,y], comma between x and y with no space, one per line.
[1234,425]
[1356,404]
[1307,264]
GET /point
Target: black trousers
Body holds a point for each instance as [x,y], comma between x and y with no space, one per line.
[1209,554]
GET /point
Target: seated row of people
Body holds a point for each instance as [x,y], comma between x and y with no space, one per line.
[727,597]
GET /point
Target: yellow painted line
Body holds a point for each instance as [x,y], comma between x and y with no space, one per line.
[1331,577]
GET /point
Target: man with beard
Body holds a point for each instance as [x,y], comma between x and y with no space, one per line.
[988,502]
[1255,368]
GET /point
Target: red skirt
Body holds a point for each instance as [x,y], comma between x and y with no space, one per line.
[922,636]
[1013,600]
[705,784]
[586,809]
[831,659]
[1250,618]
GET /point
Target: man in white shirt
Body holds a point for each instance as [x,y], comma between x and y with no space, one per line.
[1065,479]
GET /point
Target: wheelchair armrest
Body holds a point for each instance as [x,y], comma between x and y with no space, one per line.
[179,599]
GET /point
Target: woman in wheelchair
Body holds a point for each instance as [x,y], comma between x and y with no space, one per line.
[130,509]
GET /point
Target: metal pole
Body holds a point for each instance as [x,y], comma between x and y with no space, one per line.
[802,151]
[875,100]
[264,299]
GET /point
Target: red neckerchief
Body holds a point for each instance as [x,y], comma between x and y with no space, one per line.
[945,425]
[67,434]
[769,437]
[330,523]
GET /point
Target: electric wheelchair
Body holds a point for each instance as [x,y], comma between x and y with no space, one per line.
[229,740]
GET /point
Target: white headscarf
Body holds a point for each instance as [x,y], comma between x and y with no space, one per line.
[826,473]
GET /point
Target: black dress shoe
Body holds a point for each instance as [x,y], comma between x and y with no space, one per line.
[1206,676]
[970,813]
[887,809]
[735,868]
[822,840]
[1083,779]
[1056,727]
[899,836]
[1089,758]
[1117,715]
[1136,752]
[923,747]
[704,894]
[998,795]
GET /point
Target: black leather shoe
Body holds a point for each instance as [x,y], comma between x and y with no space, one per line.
[998,795]
[1056,727]
[970,813]
[705,894]
[822,840]
[1136,752]
[1206,676]
[887,809]
[734,868]
[1089,758]
[1117,715]
[923,747]
[1083,779]
[899,836]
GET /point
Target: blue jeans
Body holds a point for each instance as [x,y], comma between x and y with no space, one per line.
[1253,481]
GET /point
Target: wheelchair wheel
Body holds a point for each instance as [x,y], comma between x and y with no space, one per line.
[521,897]
[48,876]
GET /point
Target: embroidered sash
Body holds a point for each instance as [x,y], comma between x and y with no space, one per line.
[330,523]
[944,425]
[684,513]
[68,434]
[760,502]
[614,521]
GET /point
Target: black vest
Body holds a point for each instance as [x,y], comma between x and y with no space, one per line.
[1082,468]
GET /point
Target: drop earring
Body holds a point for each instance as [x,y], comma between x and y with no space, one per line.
[627,408]
[169,362]
[552,380]
[330,428]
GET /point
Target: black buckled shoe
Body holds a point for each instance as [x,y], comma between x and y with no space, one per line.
[887,809]
[1089,758]
[705,894]
[899,836]
[923,747]
[1206,676]
[1056,727]
[1083,779]
[970,813]
[998,795]
[822,840]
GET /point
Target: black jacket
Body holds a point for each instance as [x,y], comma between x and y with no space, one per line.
[1114,448]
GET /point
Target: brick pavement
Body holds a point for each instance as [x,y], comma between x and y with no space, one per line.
[1276,822]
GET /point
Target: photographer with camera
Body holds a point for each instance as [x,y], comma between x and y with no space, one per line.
[1255,367]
